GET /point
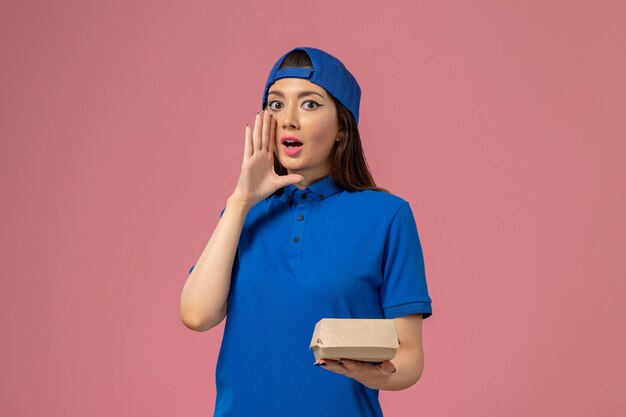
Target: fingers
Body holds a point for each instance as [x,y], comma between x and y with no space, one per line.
[272,144]
[247,147]
[266,130]
[261,136]
[356,368]
[256,134]
[332,365]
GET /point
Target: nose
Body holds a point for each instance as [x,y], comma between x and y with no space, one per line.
[290,118]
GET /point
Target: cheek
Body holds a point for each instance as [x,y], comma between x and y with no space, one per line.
[324,131]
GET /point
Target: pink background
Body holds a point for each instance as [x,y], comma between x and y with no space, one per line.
[502,123]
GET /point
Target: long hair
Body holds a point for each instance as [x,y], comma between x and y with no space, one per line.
[349,169]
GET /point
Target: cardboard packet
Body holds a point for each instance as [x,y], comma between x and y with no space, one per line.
[367,340]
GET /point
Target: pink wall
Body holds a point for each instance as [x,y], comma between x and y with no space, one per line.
[121,128]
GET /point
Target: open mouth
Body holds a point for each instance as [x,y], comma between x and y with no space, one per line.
[292,144]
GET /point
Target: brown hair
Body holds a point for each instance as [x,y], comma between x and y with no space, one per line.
[349,168]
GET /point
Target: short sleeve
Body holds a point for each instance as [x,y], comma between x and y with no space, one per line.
[193,266]
[404,290]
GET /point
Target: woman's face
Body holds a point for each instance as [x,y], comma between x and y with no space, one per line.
[306,112]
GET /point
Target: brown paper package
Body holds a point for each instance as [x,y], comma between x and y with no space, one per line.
[367,340]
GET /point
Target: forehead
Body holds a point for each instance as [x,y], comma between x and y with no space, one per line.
[293,85]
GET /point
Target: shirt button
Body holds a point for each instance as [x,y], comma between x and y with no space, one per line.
[304,196]
[321,196]
[295,239]
[300,217]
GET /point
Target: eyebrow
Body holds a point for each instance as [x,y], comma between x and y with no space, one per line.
[301,94]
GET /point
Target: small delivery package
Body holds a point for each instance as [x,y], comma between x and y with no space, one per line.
[367,340]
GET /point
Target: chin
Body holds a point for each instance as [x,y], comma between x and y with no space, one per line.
[288,164]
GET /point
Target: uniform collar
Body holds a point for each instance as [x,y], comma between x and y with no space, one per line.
[320,189]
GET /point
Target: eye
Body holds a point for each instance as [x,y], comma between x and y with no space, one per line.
[272,102]
[311,101]
[271,105]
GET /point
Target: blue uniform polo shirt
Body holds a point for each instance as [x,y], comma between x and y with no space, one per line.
[305,255]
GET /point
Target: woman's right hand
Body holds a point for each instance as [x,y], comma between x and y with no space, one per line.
[258,179]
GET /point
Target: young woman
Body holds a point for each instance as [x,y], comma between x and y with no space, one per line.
[307,235]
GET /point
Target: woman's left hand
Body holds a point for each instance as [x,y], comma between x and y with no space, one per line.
[372,376]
